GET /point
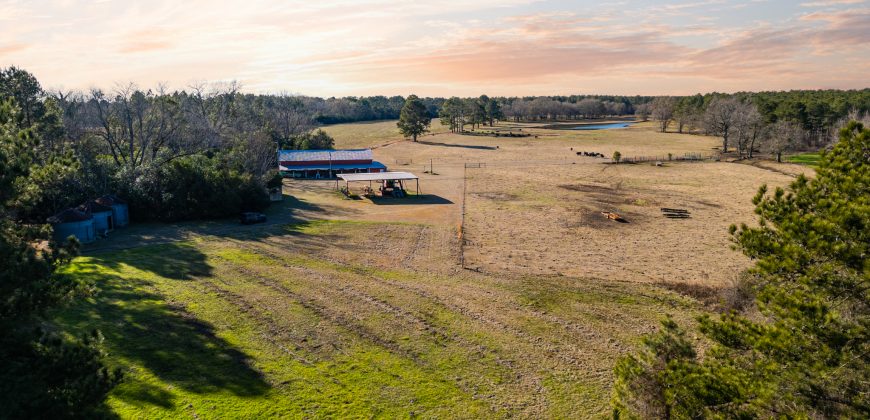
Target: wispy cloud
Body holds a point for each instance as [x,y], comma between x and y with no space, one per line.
[829,3]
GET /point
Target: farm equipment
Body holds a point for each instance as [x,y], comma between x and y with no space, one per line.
[392,188]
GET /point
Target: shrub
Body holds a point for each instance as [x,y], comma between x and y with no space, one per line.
[196,187]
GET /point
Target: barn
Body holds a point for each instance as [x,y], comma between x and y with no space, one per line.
[319,164]
[74,222]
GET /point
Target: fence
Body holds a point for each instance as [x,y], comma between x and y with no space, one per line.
[685,157]
[475,165]
[403,161]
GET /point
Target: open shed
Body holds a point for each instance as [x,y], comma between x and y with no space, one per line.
[383,178]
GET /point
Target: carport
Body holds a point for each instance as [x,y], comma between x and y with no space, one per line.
[380,177]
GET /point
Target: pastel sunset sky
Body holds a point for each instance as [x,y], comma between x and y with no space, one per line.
[443,48]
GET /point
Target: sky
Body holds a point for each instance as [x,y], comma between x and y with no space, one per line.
[442,48]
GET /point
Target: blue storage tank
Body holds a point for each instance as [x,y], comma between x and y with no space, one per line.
[73,222]
[104,220]
[120,214]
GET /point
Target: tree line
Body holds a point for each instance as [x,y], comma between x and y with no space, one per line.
[774,122]
[459,112]
[570,108]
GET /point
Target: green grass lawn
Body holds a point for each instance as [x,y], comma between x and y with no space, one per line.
[273,326]
[809,159]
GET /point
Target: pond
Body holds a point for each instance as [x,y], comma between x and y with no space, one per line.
[607,126]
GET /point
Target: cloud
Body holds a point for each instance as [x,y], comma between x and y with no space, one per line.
[829,3]
[12,48]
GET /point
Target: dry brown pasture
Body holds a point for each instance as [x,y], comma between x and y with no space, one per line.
[535,206]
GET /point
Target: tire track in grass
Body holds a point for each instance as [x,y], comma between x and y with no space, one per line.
[440,334]
[435,331]
[355,293]
[565,354]
[463,308]
[412,254]
[260,315]
[580,361]
[257,315]
[348,323]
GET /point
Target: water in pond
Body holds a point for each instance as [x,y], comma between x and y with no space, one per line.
[607,126]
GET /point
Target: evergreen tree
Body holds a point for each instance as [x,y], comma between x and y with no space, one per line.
[806,353]
[414,119]
[451,114]
[42,374]
[493,111]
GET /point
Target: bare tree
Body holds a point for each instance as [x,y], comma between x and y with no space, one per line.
[720,117]
[662,110]
[591,108]
[642,111]
[211,109]
[686,116]
[136,126]
[783,136]
[748,128]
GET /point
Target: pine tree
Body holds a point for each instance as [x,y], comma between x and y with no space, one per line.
[414,119]
[42,375]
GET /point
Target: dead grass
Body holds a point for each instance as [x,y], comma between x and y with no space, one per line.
[535,208]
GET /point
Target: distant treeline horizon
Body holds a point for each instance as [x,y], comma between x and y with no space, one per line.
[148,145]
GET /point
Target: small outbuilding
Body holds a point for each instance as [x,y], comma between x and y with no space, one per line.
[104,220]
[120,212]
[73,222]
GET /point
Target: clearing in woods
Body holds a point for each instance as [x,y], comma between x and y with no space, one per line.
[347,308]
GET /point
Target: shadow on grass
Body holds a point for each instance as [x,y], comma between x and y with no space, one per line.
[288,211]
[411,200]
[465,146]
[150,330]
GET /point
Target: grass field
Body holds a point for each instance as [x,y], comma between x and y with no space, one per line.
[809,159]
[360,308]
[279,325]
[372,134]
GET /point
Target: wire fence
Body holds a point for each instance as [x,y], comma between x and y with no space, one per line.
[667,158]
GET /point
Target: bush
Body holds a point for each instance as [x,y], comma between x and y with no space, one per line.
[196,187]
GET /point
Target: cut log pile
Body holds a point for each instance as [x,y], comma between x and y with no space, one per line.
[675,213]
